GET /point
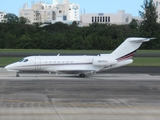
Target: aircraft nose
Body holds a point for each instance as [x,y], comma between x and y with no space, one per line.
[7,67]
[11,67]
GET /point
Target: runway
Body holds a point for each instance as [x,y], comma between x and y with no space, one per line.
[68,97]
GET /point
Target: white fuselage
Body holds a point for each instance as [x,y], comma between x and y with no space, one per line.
[71,64]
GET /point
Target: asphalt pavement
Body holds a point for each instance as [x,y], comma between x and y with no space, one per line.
[68,97]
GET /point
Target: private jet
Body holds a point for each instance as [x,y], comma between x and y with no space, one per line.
[80,65]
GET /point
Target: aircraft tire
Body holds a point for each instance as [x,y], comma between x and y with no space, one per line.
[82,75]
[17,75]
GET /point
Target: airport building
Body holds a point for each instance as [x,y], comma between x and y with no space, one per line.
[157,4]
[118,18]
[41,12]
[2,14]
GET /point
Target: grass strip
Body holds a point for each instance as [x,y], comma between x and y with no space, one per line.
[145,61]
[53,51]
[70,51]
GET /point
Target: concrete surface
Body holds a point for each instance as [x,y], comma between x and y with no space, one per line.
[68,97]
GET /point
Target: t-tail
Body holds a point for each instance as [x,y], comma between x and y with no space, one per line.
[124,53]
[128,48]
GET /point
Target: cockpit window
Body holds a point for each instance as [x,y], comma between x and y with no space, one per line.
[26,60]
[21,60]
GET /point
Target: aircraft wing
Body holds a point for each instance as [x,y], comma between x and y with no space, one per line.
[73,70]
[77,71]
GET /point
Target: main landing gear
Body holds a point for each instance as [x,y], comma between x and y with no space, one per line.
[82,75]
[17,75]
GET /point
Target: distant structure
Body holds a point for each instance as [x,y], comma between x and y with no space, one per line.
[65,12]
[2,14]
[55,2]
[157,4]
[119,18]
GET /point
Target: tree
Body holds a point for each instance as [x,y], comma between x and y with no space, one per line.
[23,20]
[11,18]
[74,23]
[134,24]
[149,15]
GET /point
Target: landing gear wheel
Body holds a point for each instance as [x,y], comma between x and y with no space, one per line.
[82,75]
[17,75]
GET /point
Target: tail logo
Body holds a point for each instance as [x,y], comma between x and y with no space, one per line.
[128,56]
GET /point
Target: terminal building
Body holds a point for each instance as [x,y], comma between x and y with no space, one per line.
[2,14]
[41,12]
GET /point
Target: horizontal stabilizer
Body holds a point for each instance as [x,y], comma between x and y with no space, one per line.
[140,39]
[128,48]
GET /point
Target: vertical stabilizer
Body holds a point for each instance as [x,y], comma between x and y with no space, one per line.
[127,49]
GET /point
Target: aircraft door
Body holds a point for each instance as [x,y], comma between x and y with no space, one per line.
[37,63]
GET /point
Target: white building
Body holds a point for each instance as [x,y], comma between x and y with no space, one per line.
[2,14]
[42,12]
[119,18]
[157,4]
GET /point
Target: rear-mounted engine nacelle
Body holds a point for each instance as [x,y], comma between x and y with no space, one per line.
[104,61]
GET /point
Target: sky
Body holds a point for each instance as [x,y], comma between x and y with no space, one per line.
[90,6]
